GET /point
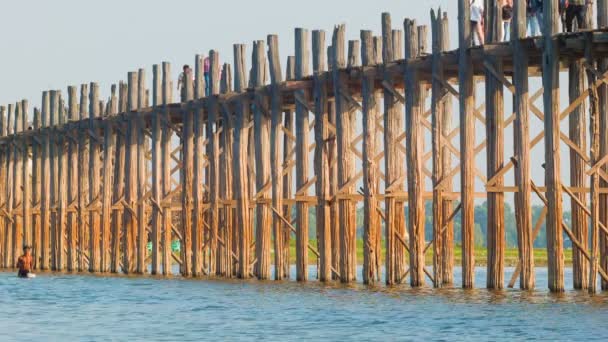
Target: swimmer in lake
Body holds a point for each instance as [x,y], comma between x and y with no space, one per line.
[25,262]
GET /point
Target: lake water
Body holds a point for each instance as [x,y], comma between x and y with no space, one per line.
[90,308]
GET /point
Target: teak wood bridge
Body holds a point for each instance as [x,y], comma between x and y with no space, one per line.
[91,185]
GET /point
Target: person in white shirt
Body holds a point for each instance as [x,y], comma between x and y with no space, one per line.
[477,13]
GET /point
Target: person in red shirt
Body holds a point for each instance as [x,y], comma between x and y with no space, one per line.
[25,262]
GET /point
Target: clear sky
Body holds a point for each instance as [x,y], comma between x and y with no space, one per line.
[53,44]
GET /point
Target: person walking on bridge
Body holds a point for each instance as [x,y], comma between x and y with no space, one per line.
[576,10]
[477,24]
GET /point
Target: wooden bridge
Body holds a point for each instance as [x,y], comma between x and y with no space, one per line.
[91,183]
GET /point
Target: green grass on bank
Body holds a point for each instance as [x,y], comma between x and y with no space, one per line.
[481,254]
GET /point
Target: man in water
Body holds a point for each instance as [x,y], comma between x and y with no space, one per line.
[25,262]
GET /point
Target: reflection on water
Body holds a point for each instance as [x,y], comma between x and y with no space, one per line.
[72,307]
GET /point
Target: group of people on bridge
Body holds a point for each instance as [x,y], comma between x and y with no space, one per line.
[570,11]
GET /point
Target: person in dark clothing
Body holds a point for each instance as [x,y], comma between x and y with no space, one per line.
[576,10]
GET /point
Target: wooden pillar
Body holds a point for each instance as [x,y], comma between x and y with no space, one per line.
[414,139]
[241,177]
[17,183]
[199,128]
[142,212]
[595,151]
[371,224]
[521,132]
[555,240]
[602,63]
[165,142]
[467,144]
[130,218]
[394,166]
[214,158]
[227,254]
[118,182]
[187,186]
[156,199]
[321,162]
[3,185]
[109,145]
[26,209]
[83,174]
[302,168]
[72,180]
[577,124]
[226,251]
[288,162]
[62,189]
[276,159]
[261,128]
[8,225]
[44,186]
[55,96]
[94,180]
[495,151]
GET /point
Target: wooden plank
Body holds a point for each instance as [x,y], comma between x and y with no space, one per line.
[241,179]
[495,150]
[550,59]
[321,163]
[276,159]
[261,129]
[302,168]
[521,132]
[371,224]
[414,141]
[94,182]
[467,143]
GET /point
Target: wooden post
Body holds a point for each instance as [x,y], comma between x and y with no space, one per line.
[141,217]
[213,155]
[109,144]
[495,151]
[3,185]
[414,140]
[241,178]
[197,218]
[187,168]
[8,225]
[577,123]
[371,225]
[44,186]
[165,142]
[72,184]
[467,144]
[17,183]
[555,240]
[94,181]
[602,63]
[288,148]
[523,210]
[118,183]
[130,218]
[157,219]
[261,128]
[55,229]
[276,160]
[394,170]
[83,174]
[594,128]
[226,251]
[302,168]
[26,180]
[62,179]
[321,165]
